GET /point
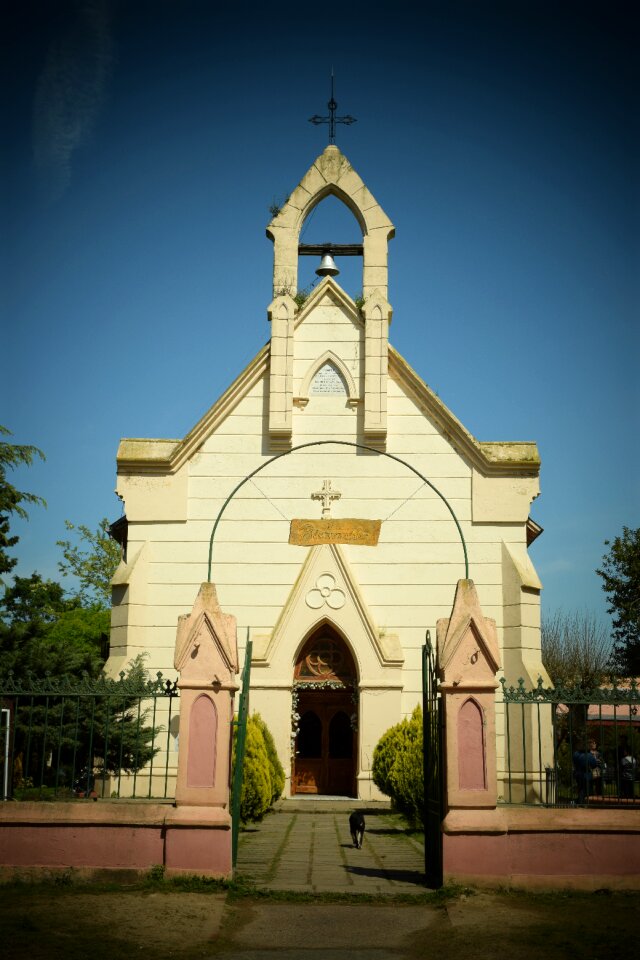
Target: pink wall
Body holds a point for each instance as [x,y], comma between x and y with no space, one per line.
[543,848]
[114,836]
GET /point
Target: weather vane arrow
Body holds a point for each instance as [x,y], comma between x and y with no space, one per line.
[332,120]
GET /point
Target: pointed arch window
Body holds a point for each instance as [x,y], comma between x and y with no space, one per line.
[328,375]
[471,747]
[325,657]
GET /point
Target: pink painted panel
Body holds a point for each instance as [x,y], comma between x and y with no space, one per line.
[67,845]
[471,758]
[476,855]
[202,850]
[562,857]
[203,736]
[574,854]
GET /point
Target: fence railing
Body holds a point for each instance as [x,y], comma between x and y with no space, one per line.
[570,746]
[65,738]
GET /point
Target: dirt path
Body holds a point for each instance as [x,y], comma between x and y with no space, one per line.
[54,923]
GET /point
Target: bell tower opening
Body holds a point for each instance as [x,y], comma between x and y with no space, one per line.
[331,226]
[325,688]
[331,175]
[331,178]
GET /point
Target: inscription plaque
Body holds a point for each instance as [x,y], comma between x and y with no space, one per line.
[328,380]
[308,533]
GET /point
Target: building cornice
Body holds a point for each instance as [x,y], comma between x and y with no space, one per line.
[137,456]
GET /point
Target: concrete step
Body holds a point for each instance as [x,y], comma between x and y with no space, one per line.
[311,803]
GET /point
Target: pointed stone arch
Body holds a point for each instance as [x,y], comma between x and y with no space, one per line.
[348,671]
[332,190]
[328,357]
[331,174]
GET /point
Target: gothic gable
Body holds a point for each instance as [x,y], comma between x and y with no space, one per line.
[206,647]
[326,591]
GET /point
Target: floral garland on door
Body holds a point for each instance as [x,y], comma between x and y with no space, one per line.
[299,685]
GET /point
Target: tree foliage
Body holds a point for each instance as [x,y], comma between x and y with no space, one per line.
[12,500]
[92,559]
[124,739]
[51,645]
[620,574]
[66,731]
[576,649]
[44,632]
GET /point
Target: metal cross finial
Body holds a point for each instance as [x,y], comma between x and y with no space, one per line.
[332,119]
[326,495]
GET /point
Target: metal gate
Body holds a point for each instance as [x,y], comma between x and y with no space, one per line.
[239,739]
[433,757]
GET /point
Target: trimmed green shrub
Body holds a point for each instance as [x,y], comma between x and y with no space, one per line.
[398,767]
[263,776]
[385,754]
[407,773]
[255,798]
[275,767]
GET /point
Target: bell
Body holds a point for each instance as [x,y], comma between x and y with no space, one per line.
[327,266]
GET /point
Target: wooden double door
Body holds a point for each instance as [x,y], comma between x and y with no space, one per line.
[325,757]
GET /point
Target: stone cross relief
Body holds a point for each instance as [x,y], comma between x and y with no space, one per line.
[326,495]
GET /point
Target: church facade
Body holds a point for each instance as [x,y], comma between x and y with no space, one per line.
[333,500]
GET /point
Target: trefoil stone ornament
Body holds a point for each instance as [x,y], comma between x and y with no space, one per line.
[326,591]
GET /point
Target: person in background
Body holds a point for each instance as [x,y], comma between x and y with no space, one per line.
[597,774]
[621,751]
[584,764]
[628,765]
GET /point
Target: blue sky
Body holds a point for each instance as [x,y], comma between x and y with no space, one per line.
[146,141]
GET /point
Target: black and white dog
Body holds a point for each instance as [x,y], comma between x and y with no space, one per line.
[356,826]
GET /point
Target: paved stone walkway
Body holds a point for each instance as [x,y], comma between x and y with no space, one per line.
[306,846]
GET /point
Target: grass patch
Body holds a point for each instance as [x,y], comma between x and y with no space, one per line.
[240,888]
[68,883]
[245,889]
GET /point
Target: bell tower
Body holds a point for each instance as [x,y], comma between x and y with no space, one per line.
[330,174]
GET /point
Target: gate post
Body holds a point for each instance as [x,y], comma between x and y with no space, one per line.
[468,662]
[206,656]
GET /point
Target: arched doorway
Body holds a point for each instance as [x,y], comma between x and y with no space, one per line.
[325,701]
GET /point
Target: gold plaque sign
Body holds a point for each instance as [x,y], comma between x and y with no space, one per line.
[308,533]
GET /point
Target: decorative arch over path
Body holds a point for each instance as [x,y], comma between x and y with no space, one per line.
[341,443]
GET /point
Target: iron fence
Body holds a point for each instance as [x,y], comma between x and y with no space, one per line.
[66,738]
[570,746]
